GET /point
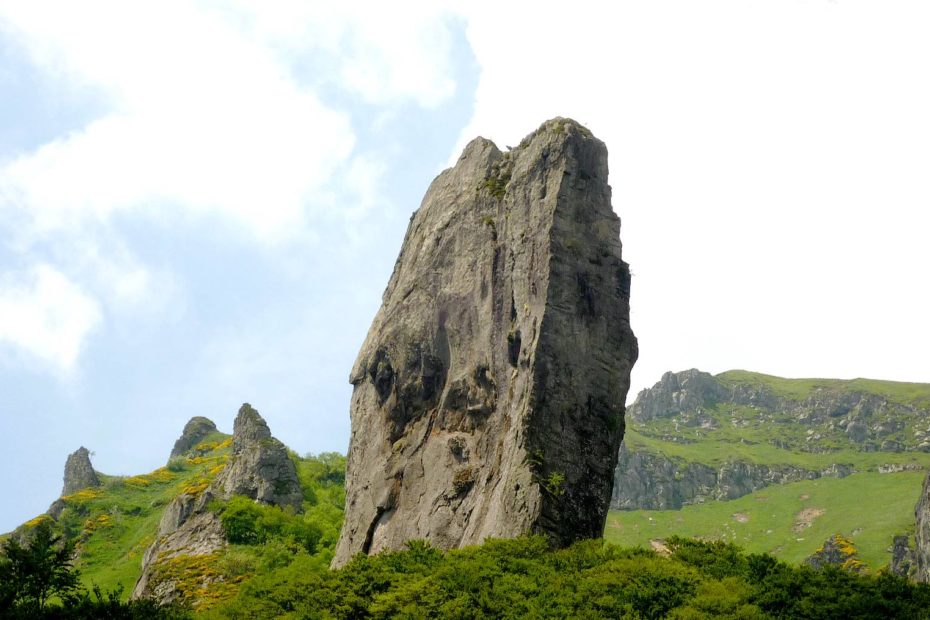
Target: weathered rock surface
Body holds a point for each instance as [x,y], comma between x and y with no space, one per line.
[922,535]
[259,468]
[645,481]
[488,396]
[79,473]
[194,432]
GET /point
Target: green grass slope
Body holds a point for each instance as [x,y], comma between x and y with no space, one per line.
[789,521]
[799,389]
[802,429]
[115,523]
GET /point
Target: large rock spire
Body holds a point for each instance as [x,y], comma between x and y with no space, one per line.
[489,394]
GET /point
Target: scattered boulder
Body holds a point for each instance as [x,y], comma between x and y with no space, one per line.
[837,551]
[194,432]
[489,395]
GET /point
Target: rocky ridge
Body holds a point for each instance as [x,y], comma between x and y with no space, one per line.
[488,396]
[259,467]
[645,481]
[813,416]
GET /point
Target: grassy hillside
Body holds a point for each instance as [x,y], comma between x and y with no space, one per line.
[789,521]
[717,448]
[115,523]
[799,423]
[799,389]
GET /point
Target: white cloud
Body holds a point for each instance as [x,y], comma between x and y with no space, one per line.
[202,119]
[213,110]
[46,314]
[768,160]
[383,52]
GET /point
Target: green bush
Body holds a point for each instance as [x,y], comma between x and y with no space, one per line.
[248,523]
[523,578]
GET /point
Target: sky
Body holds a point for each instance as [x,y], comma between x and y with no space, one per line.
[201,201]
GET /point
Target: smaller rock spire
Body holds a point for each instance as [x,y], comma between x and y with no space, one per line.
[79,473]
[194,432]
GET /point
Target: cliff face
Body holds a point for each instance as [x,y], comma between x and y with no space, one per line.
[259,468]
[646,481]
[488,396]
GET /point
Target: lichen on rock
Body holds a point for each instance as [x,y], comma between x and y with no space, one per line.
[489,395]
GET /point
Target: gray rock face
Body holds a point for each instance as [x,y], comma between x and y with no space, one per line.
[922,535]
[488,396]
[259,468]
[194,432]
[79,473]
[645,481]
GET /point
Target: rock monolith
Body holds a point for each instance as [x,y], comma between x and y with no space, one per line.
[79,473]
[489,394]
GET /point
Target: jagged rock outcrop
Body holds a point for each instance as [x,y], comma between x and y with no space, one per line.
[676,394]
[837,551]
[259,467]
[922,535]
[645,481]
[489,394]
[194,432]
[79,473]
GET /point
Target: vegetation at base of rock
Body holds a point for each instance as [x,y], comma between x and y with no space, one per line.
[869,508]
[524,578]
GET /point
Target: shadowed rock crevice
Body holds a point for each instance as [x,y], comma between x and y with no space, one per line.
[488,396]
